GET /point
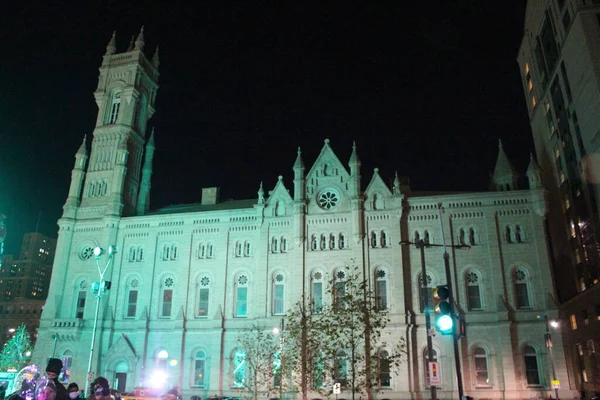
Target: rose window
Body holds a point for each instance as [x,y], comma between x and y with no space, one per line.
[472,278]
[87,253]
[242,280]
[169,282]
[134,283]
[328,199]
[205,281]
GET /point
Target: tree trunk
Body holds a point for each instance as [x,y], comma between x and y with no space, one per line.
[304,356]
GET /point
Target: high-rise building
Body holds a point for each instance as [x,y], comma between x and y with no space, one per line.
[24,283]
[189,280]
[559,60]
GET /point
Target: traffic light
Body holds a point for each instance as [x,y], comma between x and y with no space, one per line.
[444,321]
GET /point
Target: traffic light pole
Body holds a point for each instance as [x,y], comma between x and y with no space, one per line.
[451,298]
[425,295]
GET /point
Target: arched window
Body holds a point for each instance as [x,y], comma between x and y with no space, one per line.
[381,289]
[480,359]
[473,291]
[162,357]
[323,242]
[532,373]
[166,252]
[283,244]
[331,241]
[140,254]
[341,368]
[67,360]
[518,234]
[166,298]
[114,107]
[508,234]
[317,292]
[373,239]
[199,368]
[521,282]
[202,250]
[121,370]
[247,248]
[385,375]
[210,250]
[274,245]
[203,296]
[241,296]
[313,242]
[278,294]
[174,252]
[279,208]
[426,365]
[426,238]
[82,289]
[383,239]
[132,254]
[239,368]
[378,203]
[238,249]
[132,297]
[471,236]
[339,290]
[342,241]
[461,236]
[425,293]
[318,370]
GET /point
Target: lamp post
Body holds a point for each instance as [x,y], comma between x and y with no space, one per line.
[98,289]
[279,330]
[548,340]
[420,244]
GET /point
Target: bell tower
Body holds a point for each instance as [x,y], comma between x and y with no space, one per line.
[125,96]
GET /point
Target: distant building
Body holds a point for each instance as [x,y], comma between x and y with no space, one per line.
[24,283]
[190,279]
[559,64]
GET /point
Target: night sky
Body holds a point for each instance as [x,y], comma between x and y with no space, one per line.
[423,89]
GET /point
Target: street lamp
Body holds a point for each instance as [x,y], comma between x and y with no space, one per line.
[98,289]
[548,340]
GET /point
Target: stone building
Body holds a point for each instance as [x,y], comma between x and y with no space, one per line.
[189,279]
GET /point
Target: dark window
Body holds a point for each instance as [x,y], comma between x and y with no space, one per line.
[132,303]
[531,366]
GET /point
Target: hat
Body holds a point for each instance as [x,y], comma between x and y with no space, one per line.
[54,365]
[72,385]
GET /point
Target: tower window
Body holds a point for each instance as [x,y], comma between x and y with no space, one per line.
[114,108]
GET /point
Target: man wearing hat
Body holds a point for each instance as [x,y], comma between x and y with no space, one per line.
[53,369]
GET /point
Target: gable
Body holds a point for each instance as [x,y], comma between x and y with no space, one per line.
[279,202]
[327,171]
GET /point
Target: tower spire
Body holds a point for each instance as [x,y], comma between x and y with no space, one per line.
[396,184]
[505,176]
[131,45]
[82,152]
[155,59]
[261,194]
[139,42]
[111,47]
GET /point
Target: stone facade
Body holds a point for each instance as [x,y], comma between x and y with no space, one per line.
[189,279]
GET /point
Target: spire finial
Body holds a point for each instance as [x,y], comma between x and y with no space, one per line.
[82,149]
[139,42]
[354,156]
[111,47]
[131,45]
[155,59]
[299,164]
[327,141]
[261,194]
[396,184]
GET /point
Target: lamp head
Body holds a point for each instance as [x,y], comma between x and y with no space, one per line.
[112,250]
[98,251]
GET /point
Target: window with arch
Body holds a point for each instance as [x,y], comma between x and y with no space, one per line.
[530,359]
[238,249]
[317,292]
[203,296]
[318,370]
[384,369]
[278,294]
[247,248]
[378,203]
[313,242]
[425,293]
[199,368]
[279,208]
[81,299]
[417,237]
[174,253]
[166,303]
[121,370]
[426,365]
[132,297]
[210,250]
[162,358]
[426,240]
[508,234]
[373,239]
[202,250]
[274,247]
[518,234]
[473,281]
[166,254]
[323,242]
[132,254]
[341,368]
[381,282]
[461,237]
[472,241]
[239,368]
[521,285]
[339,290]
[140,254]
[241,296]
[331,241]
[383,239]
[283,244]
[480,360]
[342,241]
[114,107]
[67,360]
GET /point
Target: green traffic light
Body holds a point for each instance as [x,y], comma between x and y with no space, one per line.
[444,324]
